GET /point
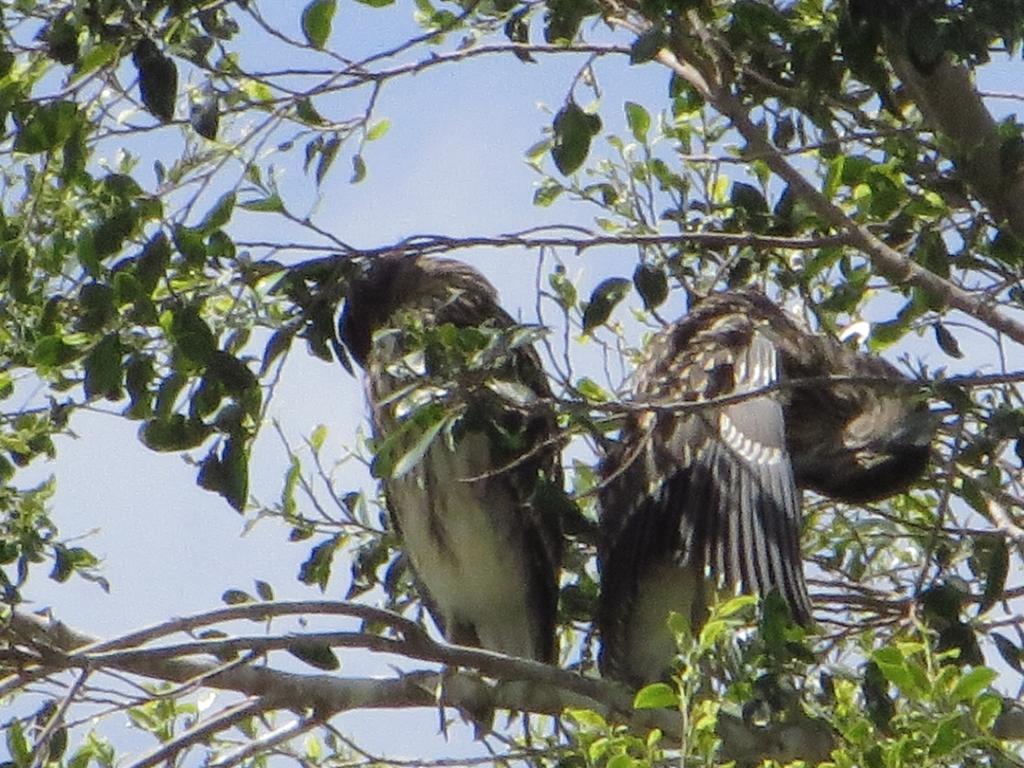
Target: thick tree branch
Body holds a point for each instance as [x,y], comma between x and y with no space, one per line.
[60,647]
[951,106]
[547,690]
[887,261]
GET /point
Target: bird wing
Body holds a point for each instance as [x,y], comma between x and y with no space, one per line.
[709,490]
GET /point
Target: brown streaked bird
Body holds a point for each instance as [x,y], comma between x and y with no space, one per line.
[710,499]
[486,559]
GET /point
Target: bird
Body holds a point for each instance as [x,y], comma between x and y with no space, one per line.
[485,554]
[706,497]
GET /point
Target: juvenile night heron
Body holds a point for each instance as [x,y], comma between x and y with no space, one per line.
[708,498]
[485,556]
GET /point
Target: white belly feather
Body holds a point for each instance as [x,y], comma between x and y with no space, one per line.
[465,544]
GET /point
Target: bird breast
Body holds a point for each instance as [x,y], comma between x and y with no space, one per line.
[465,544]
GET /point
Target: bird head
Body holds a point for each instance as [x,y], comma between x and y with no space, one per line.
[862,444]
[383,285]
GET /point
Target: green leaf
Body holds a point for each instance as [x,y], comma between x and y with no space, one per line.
[647,45]
[191,335]
[228,472]
[104,374]
[158,79]
[317,567]
[17,745]
[173,433]
[656,696]
[415,454]
[316,440]
[48,126]
[652,284]
[378,129]
[638,120]
[316,655]
[236,597]
[591,390]
[316,22]
[219,215]
[998,568]
[573,130]
[603,299]
[896,669]
[358,169]
[269,204]
[51,352]
[264,590]
[547,192]
[972,683]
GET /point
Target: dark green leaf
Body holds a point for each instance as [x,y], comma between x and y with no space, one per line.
[998,557]
[152,262]
[358,169]
[139,373]
[47,127]
[95,307]
[307,113]
[1008,650]
[219,215]
[264,590]
[190,244]
[62,41]
[748,198]
[316,655]
[947,341]
[236,597]
[173,433]
[205,117]
[278,344]
[647,45]
[317,567]
[316,21]
[104,374]
[228,472]
[603,299]
[573,131]
[652,284]
[192,336]
[158,79]
[231,372]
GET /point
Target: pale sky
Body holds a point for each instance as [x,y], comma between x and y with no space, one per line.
[451,163]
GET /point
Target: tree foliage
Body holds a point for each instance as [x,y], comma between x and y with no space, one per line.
[841,156]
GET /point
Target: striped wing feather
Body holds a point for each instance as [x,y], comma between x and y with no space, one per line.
[709,493]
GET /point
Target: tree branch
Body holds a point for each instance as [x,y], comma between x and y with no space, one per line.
[887,261]
[952,107]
